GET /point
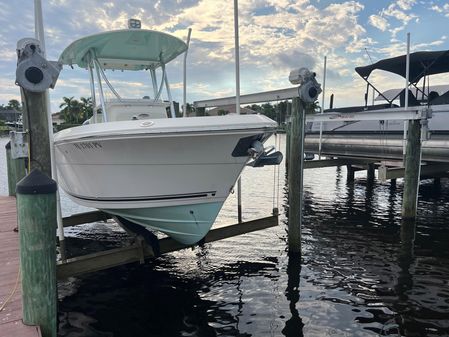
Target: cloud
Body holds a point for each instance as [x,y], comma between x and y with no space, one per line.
[379,22]
[441,9]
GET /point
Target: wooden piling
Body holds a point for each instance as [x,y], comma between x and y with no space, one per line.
[295,176]
[36,214]
[287,135]
[351,173]
[412,170]
[370,173]
[36,124]
[16,170]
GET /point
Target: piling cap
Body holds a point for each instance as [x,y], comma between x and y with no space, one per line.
[36,183]
[8,145]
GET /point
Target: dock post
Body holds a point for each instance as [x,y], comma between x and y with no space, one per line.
[393,183]
[295,176]
[16,170]
[412,169]
[36,214]
[370,173]
[35,120]
[288,124]
[351,173]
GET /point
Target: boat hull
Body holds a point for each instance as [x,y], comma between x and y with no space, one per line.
[175,182]
[187,224]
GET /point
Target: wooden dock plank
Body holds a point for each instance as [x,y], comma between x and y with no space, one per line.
[11,316]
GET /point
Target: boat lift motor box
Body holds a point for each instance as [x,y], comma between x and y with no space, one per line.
[34,73]
[309,88]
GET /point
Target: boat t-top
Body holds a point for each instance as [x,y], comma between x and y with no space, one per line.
[135,160]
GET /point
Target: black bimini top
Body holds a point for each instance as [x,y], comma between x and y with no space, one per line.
[421,63]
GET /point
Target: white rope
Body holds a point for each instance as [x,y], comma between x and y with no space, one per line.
[12,293]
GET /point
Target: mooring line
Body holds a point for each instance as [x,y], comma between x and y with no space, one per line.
[13,291]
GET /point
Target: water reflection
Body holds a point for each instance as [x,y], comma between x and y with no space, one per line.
[293,327]
[363,273]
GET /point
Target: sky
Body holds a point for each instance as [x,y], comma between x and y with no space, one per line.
[276,36]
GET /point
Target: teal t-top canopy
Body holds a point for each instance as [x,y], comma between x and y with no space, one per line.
[131,49]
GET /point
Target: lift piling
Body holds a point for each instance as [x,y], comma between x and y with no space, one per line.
[36,210]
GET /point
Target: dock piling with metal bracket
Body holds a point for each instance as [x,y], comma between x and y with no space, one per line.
[16,170]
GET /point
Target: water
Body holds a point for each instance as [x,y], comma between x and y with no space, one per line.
[360,274]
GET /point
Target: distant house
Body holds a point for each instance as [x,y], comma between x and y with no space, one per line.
[56,118]
[9,115]
[228,109]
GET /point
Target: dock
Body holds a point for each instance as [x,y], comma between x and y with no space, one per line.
[11,324]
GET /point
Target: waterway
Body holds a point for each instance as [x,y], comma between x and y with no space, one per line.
[360,274]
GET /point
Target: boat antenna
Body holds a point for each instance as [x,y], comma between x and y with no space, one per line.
[371,60]
[369,56]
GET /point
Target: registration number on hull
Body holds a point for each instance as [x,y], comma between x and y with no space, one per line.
[88,146]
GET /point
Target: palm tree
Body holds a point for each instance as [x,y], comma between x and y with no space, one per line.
[67,109]
[86,107]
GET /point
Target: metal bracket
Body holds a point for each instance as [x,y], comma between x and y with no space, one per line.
[19,146]
[425,115]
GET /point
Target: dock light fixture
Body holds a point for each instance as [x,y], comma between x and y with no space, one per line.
[134,24]
[309,88]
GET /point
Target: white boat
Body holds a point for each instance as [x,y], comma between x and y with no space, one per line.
[167,174]
[384,139]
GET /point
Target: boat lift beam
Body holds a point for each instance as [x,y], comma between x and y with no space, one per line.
[140,251]
[414,113]
[266,96]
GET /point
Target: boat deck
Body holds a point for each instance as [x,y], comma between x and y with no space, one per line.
[11,316]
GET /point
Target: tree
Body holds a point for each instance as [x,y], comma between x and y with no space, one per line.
[14,104]
[70,110]
[269,111]
[86,107]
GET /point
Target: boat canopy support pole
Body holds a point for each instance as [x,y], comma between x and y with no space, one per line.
[107,81]
[162,84]
[101,94]
[167,86]
[92,89]
[381,94]
[154,81]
